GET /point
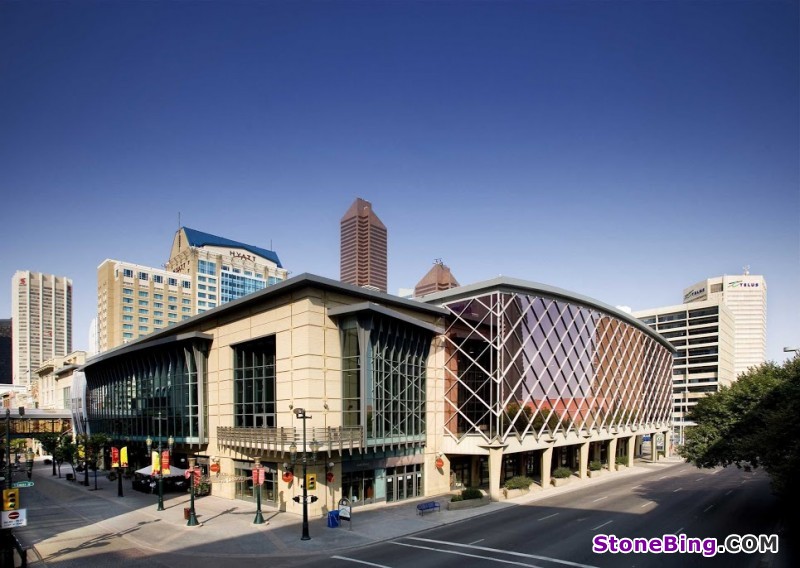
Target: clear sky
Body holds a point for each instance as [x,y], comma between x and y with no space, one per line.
[621,150]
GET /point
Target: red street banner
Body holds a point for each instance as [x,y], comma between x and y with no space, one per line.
[165,462]
[258,475]
[114,457]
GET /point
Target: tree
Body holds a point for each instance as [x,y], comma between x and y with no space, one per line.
[752,423]
[94,450]
[50,442]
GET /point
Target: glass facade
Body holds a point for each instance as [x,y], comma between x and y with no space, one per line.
[384,368]
[127,394]
[520,364]
[254,384]
[233,286]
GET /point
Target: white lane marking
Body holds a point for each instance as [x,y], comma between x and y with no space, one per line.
[547,517]
[729,492]
[707,508]
[716,471]
[676,490]
[498,551]
[600,499]
[700,479]
[662,477]
[477,541]
[359,561]
[635,486]
[465,554]
[678,531]
[643,505]
[601,526]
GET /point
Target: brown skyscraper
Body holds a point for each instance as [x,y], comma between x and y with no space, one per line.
[363,254]
[437,279]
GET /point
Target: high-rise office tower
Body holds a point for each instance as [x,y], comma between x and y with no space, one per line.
[437,279]
[745,295]
[5,351]
[363,256]
[41,310]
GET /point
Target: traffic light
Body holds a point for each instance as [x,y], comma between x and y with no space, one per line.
[311,481]
[10,499]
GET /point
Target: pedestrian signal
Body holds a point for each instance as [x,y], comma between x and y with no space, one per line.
[10,499]
[311,481]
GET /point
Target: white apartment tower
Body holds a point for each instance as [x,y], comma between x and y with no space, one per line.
[745,295]
[41,309]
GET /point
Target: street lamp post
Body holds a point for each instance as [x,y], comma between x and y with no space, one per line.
[300,413]
[85,452]
[170,443]
[193,474]
[29,457]
[258,479]
[9,471]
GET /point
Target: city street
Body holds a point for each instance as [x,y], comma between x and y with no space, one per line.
[72,525]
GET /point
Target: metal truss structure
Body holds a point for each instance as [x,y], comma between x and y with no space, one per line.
[527,365]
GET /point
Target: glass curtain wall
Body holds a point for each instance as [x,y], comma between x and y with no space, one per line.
[126,395]
[519,364]
[254,383]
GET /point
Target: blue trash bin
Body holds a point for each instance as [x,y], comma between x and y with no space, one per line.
[333,519]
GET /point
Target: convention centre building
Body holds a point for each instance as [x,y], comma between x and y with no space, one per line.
[387,398]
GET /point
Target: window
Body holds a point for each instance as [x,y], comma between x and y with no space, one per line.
[201,294]
[142,320]
[127,300]
[201,286]
[143,311]
[172,307]
[201,303]
[127,326]
[158,279]
[212,288]
[127,335]
[248,272]
[144,294]
[144,329]
[185,317]
[254,383]
[158,322]
[158,296]
[144,276]
[127,318]
[172,298]
[158,305]
[186,301]
[172,316]
[144,303]
[212,305]
[186,284]
[172,281]
[226,268]
[237,271]
[201,278]
[212,296]
[127,272]
[127,291]
[158,313]
[127,309]
[186,310]
[206,267]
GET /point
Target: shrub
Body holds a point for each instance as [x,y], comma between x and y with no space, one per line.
[471,493]
[622,460]
[595,465]
[455,498]
[518,482]
[562,472]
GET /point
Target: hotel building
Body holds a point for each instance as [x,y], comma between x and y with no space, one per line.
[401,398]
[363,255]
[41,313]
[203,272]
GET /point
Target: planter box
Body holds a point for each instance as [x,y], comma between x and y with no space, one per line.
[468,503]
[559,481]
[596,473]
[511,493]
[621,466]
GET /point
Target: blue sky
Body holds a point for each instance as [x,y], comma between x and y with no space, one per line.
[621,150]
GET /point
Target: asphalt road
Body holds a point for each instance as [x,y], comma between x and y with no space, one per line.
[559,531]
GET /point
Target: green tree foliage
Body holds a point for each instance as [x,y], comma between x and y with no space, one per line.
[754,422]
[50,442]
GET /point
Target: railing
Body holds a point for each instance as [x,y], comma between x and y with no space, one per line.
[278,440]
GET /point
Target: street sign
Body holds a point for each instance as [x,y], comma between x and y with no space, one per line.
[22,484]
[14,519]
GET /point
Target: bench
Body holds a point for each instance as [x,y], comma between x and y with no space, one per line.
[429,506]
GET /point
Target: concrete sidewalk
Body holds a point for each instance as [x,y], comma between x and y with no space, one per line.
[227,530]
